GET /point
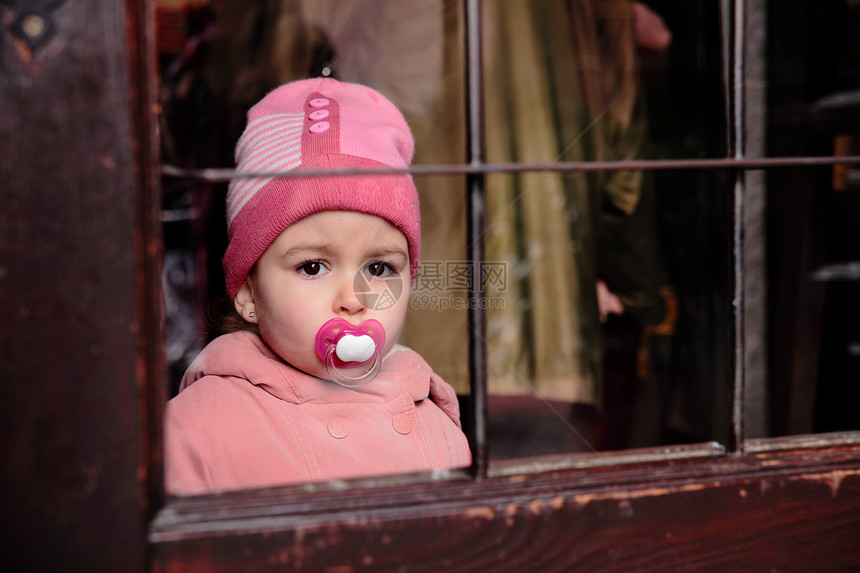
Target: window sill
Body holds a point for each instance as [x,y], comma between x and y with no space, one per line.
[700,505]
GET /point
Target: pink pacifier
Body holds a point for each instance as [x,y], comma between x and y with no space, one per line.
[343,345]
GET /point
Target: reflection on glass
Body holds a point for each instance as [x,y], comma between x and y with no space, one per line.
[308,383]
[584,350]
[605,291]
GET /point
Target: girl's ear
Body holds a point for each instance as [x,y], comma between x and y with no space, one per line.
[244,301]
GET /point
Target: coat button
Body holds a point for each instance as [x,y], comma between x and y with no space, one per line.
[320,127]
[338,427]
[318,114]
[403,423]
[318,102]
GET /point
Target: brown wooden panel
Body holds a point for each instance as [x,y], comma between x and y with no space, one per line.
[72,142]
[790,510]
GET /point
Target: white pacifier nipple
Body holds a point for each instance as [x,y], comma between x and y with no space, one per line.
[344,346]
[355,348]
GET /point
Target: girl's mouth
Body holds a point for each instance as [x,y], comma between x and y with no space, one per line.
[340,344]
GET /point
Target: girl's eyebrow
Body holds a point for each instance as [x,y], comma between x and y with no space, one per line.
[304,248]
[389,251]
[325,249]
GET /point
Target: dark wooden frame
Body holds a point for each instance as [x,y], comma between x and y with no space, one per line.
[791,509]
[83,389]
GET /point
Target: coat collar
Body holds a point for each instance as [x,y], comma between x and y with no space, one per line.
[244,355]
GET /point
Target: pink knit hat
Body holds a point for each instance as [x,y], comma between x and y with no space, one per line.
[314,125]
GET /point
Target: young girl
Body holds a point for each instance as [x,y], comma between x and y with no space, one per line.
[313,387]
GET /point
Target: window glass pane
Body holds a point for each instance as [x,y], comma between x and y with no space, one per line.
[219,59]
[613,80]
[813,219]
[565,81]
[814,77]
[606,330]
[610,331]
[813,289]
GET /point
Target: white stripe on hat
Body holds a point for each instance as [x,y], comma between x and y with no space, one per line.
[270,143]
[262,126]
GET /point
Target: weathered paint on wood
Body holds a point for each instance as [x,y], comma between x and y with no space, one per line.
[73,146]
[787,510]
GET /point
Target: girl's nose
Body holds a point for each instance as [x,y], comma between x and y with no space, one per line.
[346,300]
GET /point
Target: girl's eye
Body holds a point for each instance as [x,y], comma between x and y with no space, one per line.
[379,269]
[312,268]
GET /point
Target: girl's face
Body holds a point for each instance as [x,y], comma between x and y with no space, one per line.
[333,264]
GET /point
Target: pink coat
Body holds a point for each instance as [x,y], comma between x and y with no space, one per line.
[244,419]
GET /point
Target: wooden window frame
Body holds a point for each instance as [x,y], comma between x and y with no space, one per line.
[84,389]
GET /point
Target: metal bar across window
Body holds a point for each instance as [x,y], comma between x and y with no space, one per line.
[223,175]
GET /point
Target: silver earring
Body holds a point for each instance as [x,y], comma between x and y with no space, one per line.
[252,314]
